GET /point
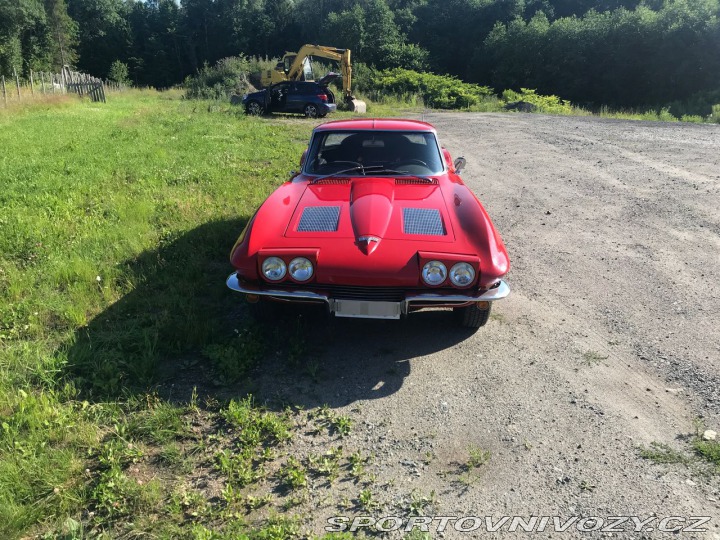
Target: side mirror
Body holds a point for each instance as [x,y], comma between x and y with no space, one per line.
[448,160]
[460,164]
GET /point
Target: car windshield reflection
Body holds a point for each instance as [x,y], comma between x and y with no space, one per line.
[385,153]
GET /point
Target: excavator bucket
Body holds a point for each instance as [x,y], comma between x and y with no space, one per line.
[358,106]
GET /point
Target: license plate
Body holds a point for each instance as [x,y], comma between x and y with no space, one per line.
[363,309]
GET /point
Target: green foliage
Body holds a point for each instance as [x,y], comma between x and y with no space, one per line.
[708,450]
[227,77]
[715,115]
[119,73]
[437,91]
[544,104]
[626,57]
[662,453]
[235,359]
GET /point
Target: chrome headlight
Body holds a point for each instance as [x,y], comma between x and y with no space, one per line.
[300,269]
[462,274]
[434,273]
[274,269]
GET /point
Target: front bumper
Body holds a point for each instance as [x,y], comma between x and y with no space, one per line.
[412,300]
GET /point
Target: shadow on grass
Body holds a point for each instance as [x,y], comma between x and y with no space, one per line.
[181,329]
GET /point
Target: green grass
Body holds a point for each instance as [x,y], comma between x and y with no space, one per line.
[117,220]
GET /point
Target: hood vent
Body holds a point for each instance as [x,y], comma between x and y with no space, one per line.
[319,219]
[425,221]
[332,181]
[415,182]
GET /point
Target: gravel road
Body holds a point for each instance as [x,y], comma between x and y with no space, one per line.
[609,341]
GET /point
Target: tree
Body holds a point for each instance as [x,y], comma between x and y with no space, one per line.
[63,34]
[104,33]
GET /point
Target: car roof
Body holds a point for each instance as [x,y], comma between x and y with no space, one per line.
[376,124]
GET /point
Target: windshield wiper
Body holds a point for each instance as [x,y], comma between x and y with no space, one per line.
[373,169]
[336,173]
[383,170]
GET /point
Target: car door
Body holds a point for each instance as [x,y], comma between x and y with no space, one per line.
[278,97]
[295,99]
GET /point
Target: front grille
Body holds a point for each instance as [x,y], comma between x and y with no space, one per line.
[351,292]
[378,294]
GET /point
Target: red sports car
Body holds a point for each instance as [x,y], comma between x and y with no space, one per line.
[376,224]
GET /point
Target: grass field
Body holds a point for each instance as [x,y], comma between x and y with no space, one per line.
[116,223]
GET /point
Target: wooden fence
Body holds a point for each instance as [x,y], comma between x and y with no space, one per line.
[40,83]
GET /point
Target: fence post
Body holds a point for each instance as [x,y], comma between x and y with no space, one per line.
[4,92]
[17,83]
[32,84]
[42,79]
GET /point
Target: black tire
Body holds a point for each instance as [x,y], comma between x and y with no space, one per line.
[472,317]
[311,110]
[254,108]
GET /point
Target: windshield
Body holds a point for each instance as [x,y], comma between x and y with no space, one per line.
[409,152]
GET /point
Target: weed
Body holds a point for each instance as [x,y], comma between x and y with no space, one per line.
[586,486]
[342,425]
[419,503]
[357,464]
[591,358]
[367,501]
[708,450]
[662,453]
[478,457]
[293,474]
[235,359]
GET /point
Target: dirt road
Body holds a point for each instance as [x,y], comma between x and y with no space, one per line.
[609,341]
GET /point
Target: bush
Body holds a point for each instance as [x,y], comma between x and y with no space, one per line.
[232,75]
[119,73]
[437,91]
[544,104]
[715,115]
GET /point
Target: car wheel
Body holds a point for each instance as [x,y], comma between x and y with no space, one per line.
[254,108]
[311,111]
[472,316]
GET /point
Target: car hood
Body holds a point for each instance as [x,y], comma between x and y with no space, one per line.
[367,211]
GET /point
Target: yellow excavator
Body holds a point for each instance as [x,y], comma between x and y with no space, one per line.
[298,67]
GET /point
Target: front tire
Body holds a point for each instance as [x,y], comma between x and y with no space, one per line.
[254,108]
[472,316]
[311,111]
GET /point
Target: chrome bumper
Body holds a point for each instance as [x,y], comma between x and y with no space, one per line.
[498,293]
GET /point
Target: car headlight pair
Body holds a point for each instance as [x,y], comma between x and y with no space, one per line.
[434,273]
[275,269]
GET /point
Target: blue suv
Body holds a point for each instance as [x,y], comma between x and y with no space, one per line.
[313,99]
